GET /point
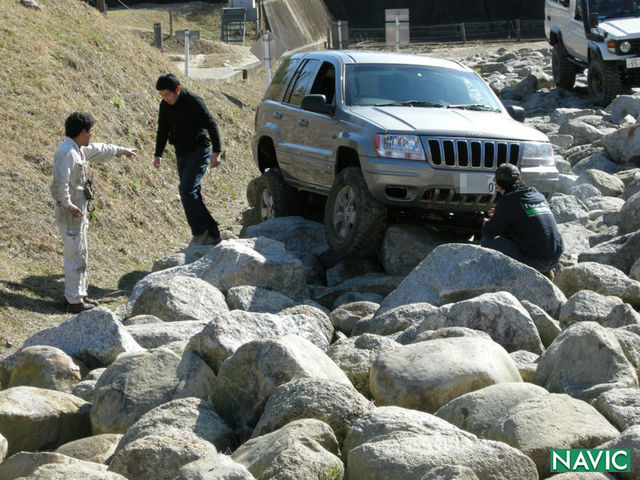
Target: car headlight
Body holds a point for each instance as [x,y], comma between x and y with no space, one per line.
[625,46]
[537,155]
[407,147]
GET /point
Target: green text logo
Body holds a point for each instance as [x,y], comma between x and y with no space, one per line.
[590,460]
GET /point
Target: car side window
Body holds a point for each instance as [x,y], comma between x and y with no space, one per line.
[301,83]
[325,82]
[281,78]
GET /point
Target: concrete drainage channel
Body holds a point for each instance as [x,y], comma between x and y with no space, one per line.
[222,74]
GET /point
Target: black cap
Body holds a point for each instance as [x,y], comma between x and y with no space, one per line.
[507,172]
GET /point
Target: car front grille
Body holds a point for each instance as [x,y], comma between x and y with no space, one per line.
[447,198]
[470,153]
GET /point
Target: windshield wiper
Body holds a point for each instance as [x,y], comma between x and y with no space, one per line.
[410,103]
[475,106]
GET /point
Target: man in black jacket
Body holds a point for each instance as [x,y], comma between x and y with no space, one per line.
[522,225]
[184,121]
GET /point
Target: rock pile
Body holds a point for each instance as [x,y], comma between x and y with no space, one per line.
[262,357]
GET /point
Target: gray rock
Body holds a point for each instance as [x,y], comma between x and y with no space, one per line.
[214,467]
[247,379]
[620,252]
[314,272]
[316,311]
[588,306]
[565,184]
[354,297]
[567,208]
[455,272]
[629,214]
[255,299]
[160,456]
[499,314]
[576,240]
[607,184]
[97,448]
[260,262]
[629,439]
[356,355]
[630,344]
[426,375]
[623,144]
[346,316]
[183,257]
[450,472]
[563,115]
[597,161]
[40,366]
[23,464]
[36,418]
[84,471]
[624,105]
[296,233]
[635,270]
[333,402]
[226,333]
[575,154]
[585,360]
[95,336]
[621,406]
[582,129]
[405,246]
[366,284]
[309,438]
[632,187]
[152,335]
[85,390]
[394,320]
[180,298]
[599,278]
[142,320]
[585,192]
[548,328]
[347,268]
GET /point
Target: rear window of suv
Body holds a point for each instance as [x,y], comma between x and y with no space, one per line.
[370,84]
[281,78]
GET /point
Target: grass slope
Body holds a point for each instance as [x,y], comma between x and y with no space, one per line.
[70,57]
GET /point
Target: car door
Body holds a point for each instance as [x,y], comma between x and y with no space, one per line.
[574,37]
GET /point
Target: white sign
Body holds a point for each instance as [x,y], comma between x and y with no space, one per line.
[193,35]
[276,48]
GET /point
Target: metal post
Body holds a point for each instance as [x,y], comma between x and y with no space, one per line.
[102,6]
[339,35]
[170,23]
[267,55]
[463,33]
[518,33]
[397,30]
[157,36]
[186,53]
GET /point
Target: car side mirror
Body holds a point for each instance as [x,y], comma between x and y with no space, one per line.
[593,20]
[317,103]
[517,113]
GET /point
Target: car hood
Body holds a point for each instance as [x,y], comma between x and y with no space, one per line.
[447,122]
[628,27]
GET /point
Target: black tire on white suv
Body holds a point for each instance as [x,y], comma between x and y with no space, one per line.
[564,72]
[354,221]
[604,80]
[273,196]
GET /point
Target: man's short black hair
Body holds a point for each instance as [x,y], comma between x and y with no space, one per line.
[76,122]
[167,81]
[508,176]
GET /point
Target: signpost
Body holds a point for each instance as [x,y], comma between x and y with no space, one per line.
[397,27]
[185,36]
[268,48]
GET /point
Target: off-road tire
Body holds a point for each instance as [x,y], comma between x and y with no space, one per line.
[604,80]
[354,222]
[272,196]
[564,72]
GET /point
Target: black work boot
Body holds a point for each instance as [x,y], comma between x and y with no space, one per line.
[77,307]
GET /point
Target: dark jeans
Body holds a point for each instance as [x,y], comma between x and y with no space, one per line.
[511,249]
[191,168]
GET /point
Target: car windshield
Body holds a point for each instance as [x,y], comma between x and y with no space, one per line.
[615,8]
[416,86]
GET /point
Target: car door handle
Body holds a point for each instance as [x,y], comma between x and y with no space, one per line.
[277,115]
[303,122]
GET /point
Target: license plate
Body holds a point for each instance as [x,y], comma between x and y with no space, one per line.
[479,184]
[633,62]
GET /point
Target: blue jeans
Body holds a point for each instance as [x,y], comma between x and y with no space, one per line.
[511,249]
[191,168]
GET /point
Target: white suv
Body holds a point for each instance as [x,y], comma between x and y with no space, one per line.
[601,35]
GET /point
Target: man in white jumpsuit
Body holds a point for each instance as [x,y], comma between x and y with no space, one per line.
[68,190]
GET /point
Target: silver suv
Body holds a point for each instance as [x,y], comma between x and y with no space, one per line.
[601,35]
[385,136]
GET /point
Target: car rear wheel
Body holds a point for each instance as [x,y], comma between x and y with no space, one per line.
[272,196]
[604,80]
[354,221]
[564,72]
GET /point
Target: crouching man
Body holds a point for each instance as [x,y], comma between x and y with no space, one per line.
[522,225]
[71,193]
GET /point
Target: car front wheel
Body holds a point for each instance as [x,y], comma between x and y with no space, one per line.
[604,80]
[273,197]
[354,221]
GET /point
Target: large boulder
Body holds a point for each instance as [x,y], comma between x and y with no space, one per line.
[567,208]
[154,335]
[499,314]
[179,298]
[365,287]
[576,240]
[405,246]
[247,379]
[355,356]
[214,467]
[335,403]
[621,406]
[620,252]
[84,471]
[585,360]
[95,336]
[97,448]
[630,215]
[588,306]
[599,278]
[36,418]
[346,316]
[548,327]
[226,333]
[260,262]
[42,367]
[24,464]
[455,272]
[607,184]
[394,320]
[628,440]
[426,375]
[623,144]
[296,233]
[256,299]
[182,257]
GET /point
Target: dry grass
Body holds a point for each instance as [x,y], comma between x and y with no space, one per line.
[69,57]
